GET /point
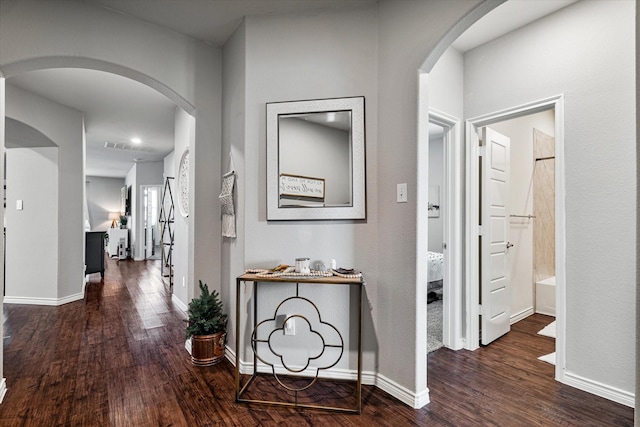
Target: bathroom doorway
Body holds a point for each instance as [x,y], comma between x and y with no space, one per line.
[536,193]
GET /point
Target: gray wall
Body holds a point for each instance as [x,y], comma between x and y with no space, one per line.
[31,235]
[183,131]
[103,197]
[233,147]
[375,53]
[585,51]
[287,60]
[63,126]
[317,151]
[407,32]
[186,70]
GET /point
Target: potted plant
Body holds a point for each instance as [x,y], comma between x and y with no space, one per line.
[207,327]
[123,221]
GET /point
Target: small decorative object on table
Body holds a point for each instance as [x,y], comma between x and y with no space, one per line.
[207,327]
[347,273]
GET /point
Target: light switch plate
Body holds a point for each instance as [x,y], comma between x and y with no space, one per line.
[19,205]
[402,193]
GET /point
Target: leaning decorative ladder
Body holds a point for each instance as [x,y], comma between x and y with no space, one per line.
[166,220]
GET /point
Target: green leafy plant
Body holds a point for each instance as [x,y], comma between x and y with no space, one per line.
[206,313]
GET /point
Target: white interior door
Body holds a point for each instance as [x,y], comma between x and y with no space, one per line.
[494,247]
[151,203]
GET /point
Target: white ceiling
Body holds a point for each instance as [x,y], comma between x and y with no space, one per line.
[213,21]
[117,109]
[505,18]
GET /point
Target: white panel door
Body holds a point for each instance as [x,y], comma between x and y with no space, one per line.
[494,247]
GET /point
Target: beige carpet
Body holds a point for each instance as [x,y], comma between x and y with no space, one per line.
[434,326]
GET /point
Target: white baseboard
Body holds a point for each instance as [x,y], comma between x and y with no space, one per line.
[230,355]
[182,306]
[43,301]
[519,316]
[406,396]
[3,388]
[599,389]
[401,393]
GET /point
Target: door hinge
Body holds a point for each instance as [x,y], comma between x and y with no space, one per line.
[480,310]
[480,230]
[482,151]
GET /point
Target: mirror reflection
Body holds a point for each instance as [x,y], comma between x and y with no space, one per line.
[315,159]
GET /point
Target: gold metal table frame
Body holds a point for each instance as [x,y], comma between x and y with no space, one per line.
[334,280]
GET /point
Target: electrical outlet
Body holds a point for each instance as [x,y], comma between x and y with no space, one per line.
[402,193]
[290,326]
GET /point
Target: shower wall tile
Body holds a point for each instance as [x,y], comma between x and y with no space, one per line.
[544,205]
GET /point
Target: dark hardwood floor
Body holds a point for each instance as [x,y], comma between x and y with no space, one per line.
[118,359]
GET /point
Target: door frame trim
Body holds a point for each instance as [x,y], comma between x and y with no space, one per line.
[472,204]
[452,336]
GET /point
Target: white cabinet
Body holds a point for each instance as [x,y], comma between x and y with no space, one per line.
[115,234]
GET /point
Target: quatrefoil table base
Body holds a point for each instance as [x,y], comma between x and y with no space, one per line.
[293,386]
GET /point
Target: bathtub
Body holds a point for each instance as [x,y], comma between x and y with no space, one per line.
[546,296]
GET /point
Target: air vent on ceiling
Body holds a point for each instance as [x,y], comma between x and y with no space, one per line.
[122,146]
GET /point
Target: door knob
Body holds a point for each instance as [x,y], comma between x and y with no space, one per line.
[509,245]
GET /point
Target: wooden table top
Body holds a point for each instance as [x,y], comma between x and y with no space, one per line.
[331,280]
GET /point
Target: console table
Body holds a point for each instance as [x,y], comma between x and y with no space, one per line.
[293,382]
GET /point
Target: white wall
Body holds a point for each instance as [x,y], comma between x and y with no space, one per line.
[436,179]
[520,131]
[446,84]
[103,197]
[585,51]
[31,234]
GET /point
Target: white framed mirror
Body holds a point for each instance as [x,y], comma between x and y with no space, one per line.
[316,159]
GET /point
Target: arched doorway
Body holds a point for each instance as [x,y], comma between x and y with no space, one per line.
[578,260]
[72,131]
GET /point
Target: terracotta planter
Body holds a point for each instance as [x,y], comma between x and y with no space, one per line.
[207,350]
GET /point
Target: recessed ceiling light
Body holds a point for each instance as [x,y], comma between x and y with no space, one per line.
[136,140]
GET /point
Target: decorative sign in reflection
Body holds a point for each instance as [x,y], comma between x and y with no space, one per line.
[301,186]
